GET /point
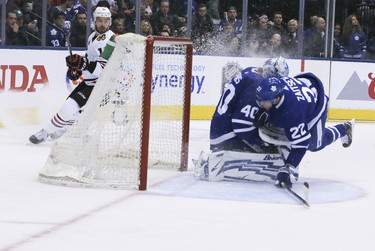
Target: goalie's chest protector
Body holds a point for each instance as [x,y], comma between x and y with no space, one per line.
[96,44]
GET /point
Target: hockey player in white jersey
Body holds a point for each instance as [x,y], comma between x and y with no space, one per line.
[89,67]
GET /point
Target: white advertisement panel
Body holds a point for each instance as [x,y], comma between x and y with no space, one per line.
[33,82]
[352,85]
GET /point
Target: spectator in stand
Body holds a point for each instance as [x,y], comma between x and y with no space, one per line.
[165,33]
[102,3]
[290,41]
[202,24]
[38,10]
[275,48]
[314,45]
[310,29]
[179,7]
[79,6]
[12,5]
[227,42]
[337,37]
[252,48]
[277,24]
[182,32]
[114,8]
[30,23]
[252,22]
[118,26]
[78,29]
[56,37]
[127,12]
[166,27]
[353,44]
[212,7]
[231,17]
[14,33]
[146,10]
[264,33]
[63,6]
[146,29]
[162,17]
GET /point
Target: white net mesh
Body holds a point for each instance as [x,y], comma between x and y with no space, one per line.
[103,148]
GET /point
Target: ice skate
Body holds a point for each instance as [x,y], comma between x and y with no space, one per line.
[348,138]
[38,137]
[57,134]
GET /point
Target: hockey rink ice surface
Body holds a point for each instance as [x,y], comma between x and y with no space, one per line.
[178,212]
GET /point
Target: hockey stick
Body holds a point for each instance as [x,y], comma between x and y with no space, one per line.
[295,195]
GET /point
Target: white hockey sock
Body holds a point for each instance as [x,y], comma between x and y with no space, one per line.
[66,116]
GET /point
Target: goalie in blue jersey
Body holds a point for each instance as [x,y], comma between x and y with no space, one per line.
[299,106]
[237,151]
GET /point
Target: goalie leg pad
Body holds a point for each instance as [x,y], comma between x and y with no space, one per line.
[234,166]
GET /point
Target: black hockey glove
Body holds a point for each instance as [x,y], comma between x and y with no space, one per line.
[76,61]
[74,74]
[287,174]
[261,118]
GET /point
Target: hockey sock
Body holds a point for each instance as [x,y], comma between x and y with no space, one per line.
[334,133]
[67,114]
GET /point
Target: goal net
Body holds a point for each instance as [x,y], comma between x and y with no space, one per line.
[137,117]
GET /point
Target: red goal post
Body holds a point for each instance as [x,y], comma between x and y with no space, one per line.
[136,118]
[187,93]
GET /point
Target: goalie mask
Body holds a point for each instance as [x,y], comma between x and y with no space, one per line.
[105,19]
[275,67]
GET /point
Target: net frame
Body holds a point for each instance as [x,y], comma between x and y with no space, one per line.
[150,41]
[59,178]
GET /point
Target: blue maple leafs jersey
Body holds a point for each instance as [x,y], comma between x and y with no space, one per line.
[55,37]
[235,113]
[300,108]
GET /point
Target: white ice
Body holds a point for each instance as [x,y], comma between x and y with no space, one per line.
[180,213]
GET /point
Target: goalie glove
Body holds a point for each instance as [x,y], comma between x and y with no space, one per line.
[76,61]
[74,74]
[287,174]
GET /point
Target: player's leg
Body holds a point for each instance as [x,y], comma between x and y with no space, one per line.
[69,111]
[66,115]
[322,136]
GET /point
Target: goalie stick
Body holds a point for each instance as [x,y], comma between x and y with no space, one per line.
[295,195]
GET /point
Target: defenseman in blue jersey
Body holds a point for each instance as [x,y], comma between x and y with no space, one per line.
[299,106]
[234,123]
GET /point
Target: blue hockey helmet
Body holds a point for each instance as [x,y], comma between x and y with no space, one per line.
[275,67]
[269,89]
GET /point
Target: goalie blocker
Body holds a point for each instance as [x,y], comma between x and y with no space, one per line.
[244,166]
